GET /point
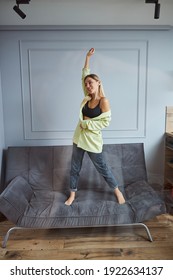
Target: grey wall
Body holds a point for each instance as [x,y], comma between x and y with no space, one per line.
[41,85]
[2,144]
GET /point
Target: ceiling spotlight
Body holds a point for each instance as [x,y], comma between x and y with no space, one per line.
[157,11]
[151,1]
[157,7]
[18,10]
[22,2]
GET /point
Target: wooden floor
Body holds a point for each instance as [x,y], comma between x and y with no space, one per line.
[112,243]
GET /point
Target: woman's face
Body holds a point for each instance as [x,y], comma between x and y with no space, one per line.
[91,86]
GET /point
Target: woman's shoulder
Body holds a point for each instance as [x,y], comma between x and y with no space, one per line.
[103,100]
[104,104]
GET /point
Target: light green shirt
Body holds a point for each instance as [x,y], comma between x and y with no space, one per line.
[90,137]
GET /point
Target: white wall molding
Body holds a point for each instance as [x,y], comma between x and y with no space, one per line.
[45,71]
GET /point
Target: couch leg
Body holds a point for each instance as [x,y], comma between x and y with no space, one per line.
[138,225]
[4,242]
[147,230]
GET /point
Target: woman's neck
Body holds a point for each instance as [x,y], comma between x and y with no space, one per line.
[94,98]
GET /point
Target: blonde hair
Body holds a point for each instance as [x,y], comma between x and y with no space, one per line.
[97,79]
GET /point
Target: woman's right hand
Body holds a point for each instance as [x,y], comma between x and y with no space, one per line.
[91,52]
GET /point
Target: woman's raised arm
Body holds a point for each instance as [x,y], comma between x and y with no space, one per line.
[86,70]
[89,54]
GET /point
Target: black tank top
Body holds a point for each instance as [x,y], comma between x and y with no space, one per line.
[91,112]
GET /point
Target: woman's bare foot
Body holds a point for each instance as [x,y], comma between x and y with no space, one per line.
[71,198]
[119,196]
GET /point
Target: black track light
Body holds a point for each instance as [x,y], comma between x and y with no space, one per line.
[18,2]
[157,7]
[157,11]
[151,1]
[18,10]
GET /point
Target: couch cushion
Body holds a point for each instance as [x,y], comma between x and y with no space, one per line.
[16,198]
[49,167]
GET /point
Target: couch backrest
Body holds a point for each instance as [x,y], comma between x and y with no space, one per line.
[49,167]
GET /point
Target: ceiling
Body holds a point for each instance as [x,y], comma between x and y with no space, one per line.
[86,12]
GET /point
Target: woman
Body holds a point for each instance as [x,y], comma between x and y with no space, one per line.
[94,115]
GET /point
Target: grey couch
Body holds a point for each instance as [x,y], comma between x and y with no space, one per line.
[37,185]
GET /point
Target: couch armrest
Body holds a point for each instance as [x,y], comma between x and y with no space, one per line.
[15,198]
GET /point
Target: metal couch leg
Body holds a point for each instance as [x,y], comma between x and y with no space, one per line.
[138,225]
[148,232]
[4,242]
